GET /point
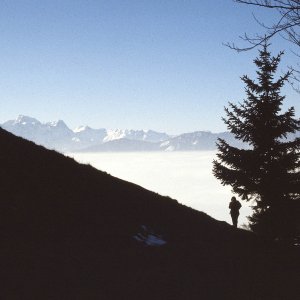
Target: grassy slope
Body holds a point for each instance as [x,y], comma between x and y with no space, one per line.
[66,233]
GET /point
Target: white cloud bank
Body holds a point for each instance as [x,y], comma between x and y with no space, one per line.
[184,176]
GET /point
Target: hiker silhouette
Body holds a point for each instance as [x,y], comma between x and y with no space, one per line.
[234,207]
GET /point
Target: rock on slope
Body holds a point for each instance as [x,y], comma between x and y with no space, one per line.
[69,231]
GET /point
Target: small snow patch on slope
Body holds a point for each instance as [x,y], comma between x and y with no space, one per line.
[147,237]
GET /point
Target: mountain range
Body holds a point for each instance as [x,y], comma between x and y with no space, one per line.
[58,136]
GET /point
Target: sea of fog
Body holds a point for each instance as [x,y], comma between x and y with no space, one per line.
[184,176]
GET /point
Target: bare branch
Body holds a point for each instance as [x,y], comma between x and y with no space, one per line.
[268,4]
[286,26]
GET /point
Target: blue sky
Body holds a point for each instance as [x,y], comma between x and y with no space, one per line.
[128,63]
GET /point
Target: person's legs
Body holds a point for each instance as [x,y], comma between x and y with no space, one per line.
[234,218]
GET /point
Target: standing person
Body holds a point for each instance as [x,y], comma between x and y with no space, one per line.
[234,207]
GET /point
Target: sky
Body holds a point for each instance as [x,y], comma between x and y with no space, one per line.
[133,64]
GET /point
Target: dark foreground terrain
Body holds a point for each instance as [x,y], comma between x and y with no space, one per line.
[68,231]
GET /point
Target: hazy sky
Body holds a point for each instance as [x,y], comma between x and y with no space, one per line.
[135,64]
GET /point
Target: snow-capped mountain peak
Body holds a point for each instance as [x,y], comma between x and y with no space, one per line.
[82,128]
[58,124]
[140,135]
[115,134]
[25,120]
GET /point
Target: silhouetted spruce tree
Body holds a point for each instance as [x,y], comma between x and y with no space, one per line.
[265,172]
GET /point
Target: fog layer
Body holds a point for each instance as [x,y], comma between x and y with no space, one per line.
[184,176]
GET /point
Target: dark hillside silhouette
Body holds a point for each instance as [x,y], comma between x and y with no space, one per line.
[69,231]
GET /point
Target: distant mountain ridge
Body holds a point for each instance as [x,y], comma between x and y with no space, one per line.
[57,135]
